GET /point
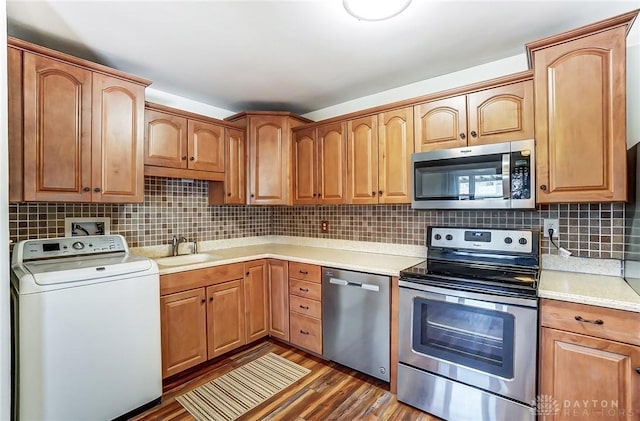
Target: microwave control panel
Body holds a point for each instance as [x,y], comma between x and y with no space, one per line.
[521,175]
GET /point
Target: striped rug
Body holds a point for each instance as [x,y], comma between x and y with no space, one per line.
[237,392]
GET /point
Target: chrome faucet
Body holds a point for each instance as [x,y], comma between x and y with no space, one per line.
[195,247]
[175,243]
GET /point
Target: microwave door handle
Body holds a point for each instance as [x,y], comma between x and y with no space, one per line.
[506,176]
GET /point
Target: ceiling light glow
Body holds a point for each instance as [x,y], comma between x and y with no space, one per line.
[372,10]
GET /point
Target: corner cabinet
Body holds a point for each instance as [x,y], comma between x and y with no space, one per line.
[82,128]
[580,88]
[589,361]
[269,151]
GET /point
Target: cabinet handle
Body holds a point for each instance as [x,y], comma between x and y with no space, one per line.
[473,133]
[86,189]
[304,289]
[304,307]
[247,273]
[304,332]
[203,301]
[229,194]
[210,299]
[380,192]
[373,193]
[184,157]
[462,136]
[304,272]
[638,370]
[595,322]
[543,187]
[97,190]
[252,195]
[193,158]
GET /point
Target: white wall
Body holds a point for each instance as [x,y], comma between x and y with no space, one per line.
[5,325]
[633,85]
[175,101]
[474,74]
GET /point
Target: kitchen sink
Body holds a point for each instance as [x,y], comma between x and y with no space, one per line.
[186,259]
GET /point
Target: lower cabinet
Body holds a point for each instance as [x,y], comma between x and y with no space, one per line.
[225,317]
[256,299]
[305,306]
[278,274]
[584,374]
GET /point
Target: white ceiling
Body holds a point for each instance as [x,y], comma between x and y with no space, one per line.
[296,55]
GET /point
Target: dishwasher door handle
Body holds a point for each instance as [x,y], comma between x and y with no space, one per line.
[342,282]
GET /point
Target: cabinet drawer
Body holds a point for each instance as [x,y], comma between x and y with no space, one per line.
[305,272]
[304,289]
[305,306]
[617,325]
[306,332]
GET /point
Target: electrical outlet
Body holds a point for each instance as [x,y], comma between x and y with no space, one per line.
[324,226]
[551,224]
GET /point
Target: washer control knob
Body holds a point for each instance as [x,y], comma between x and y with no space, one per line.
[78,245]
[508,240]
[437,237]
[449,237]
[522,241]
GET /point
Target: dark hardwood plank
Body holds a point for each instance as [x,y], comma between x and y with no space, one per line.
[329,392]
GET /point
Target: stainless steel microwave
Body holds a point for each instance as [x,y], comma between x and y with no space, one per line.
[495,176]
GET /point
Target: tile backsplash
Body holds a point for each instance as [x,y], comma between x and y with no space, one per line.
[173,206]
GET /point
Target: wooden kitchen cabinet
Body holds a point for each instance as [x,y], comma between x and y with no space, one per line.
[225,317]
[305,167]
[379,157]
[269,155]
[233,190]
[496,114]
[580,115]
[579,362]
[277,271]
[184,145]
[305,306]
[256,299]
[183,322]
[81,125]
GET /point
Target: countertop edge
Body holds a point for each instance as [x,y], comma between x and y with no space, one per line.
[594,301]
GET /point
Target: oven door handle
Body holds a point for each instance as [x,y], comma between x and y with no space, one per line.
[342,282]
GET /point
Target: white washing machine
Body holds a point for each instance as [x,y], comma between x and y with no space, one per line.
[87,331]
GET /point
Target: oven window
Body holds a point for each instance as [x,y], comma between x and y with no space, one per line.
[468,336]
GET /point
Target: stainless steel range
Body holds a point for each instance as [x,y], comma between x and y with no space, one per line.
[468,325]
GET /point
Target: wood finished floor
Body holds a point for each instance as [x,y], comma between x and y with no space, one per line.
[329,392]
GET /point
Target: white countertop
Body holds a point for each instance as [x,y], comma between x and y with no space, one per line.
[597,290]
[363,261]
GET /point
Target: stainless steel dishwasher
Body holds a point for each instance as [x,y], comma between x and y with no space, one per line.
[355,320]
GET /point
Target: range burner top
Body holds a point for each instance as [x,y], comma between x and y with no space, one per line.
[498,261]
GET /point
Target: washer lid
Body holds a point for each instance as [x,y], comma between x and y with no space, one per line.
[85,268]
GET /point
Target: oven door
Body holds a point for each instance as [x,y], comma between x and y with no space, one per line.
[482,340]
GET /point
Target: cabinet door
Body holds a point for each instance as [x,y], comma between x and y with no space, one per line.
[332,164]
[117,140]
[235,169]
[206,146]
[278,298]
[57,131]
[441,124]
[165,141]
[269,144]
[14,120]
[183,330]
[580,119]
[501,114]
[256,300]
[225,317]
[362,164]
[305,190]
[395,146]
[581,373]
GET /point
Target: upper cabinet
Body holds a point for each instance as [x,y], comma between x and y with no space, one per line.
[185,145]
[78,134]
[269,152]
[580,88]
[233,190]
[497,114]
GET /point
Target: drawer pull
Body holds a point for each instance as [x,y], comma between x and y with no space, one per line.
[304,332]
[638,370]
[304,307]
[304,272]
[304,289]
[595,322]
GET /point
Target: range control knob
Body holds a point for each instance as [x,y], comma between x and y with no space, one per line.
[78,245]
[437,237]
[449,237]
[508,240]
[522,241]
